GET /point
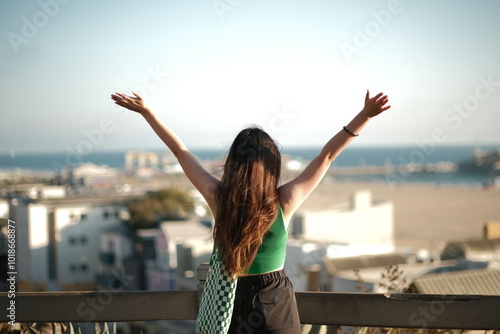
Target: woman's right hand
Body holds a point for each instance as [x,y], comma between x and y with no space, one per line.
[136,103]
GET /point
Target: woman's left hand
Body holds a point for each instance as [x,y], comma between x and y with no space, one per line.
[375,105]
[136,103]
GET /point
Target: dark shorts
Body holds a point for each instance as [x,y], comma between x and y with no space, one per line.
[265,304]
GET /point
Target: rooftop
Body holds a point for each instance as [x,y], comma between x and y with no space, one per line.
[469,282]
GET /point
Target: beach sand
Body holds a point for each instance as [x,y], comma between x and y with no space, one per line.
[425,215]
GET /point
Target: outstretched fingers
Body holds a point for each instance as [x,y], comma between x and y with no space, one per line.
[383,99]
[376,104]
[119,97]
[123,100]
[134,103]
[382,103]
[137,95]
[378,96]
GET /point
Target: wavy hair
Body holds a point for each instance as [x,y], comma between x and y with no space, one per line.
[247,198]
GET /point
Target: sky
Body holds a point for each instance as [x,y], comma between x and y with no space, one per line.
[299,69]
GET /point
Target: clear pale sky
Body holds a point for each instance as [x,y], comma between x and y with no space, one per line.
[297,68]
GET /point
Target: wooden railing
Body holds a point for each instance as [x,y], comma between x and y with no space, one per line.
[321,308]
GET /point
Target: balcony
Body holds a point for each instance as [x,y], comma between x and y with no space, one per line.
[462,312]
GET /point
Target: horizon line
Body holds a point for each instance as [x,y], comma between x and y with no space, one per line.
[221,148]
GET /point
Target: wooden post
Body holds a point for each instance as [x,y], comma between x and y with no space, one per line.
[313,277]
[201,274]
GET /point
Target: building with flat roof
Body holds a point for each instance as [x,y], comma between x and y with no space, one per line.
[57,239]
[469,282]
[181,246]
[360,221]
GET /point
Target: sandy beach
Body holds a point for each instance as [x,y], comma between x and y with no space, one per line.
[425,215]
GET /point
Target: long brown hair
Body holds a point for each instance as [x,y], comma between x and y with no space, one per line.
[247,198]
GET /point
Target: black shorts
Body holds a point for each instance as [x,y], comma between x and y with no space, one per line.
[265,304]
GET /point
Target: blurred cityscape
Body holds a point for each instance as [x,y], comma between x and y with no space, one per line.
[144,227]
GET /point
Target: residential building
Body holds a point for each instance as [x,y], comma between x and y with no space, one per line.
[301,257]
[115,247]
[470,282]
[4,208]
[181,247]
[96,177]
[361,221]
[359,273]
[141,163]
[57,239]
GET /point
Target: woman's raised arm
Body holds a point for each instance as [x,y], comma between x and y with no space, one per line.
[294,193]
[196,173]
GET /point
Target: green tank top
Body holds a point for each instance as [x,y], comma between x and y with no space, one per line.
[272,252]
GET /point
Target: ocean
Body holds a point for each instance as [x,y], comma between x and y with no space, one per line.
[351,157]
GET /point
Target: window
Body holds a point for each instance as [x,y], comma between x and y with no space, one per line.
[83,240]
[72,241]
[72,268]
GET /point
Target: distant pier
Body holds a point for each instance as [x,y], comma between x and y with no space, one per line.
[440,167]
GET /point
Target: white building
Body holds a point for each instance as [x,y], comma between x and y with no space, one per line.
[45,192]
[364,273]
[181,247]
[116,245]
[301,258]
[4,209]
[93,176]
[58,239]
[361,221]
[347,229]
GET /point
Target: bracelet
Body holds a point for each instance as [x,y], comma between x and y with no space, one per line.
[349,132]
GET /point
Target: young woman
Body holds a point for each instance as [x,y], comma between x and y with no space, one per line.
[252,212]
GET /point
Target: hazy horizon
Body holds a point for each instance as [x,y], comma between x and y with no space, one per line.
[485,146]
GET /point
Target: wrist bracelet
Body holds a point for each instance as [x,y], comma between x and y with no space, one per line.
[349,132]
